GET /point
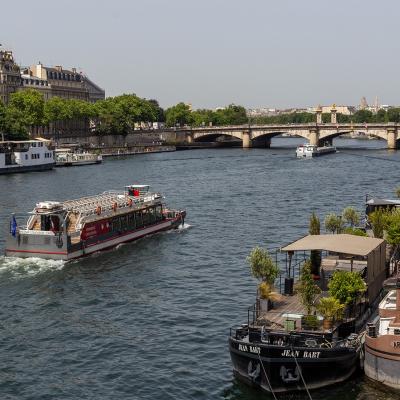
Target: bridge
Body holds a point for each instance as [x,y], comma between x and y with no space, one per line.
[316,133]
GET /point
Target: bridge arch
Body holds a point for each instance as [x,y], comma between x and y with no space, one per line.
[212,135]
[372,133]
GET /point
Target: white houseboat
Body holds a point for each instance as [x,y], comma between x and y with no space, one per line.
[66,157]
[25,156]
[309,150]
[76,228]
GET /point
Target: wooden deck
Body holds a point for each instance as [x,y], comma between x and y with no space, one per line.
[288,308]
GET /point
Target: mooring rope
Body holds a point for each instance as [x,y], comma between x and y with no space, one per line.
[266,376]
[301,374]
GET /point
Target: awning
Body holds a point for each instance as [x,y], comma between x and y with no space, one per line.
[341,243]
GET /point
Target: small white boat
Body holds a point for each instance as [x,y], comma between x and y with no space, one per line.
[309,150]
[26,156]
[67,158]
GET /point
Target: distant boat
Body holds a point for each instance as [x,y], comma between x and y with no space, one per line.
[309,150]
[26,156]
[68,157]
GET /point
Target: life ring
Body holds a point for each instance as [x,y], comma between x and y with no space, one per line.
[98,210]
[130,202]
[115,206]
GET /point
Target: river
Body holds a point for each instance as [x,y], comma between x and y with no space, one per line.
[150,320]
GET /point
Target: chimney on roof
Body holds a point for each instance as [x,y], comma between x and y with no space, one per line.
[74,70]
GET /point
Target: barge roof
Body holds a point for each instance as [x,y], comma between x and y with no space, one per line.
[339,243]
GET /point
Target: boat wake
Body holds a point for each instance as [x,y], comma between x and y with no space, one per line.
[184,227]
[19,267]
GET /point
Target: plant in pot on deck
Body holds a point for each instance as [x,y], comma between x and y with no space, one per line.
[308,292]
[346,287]
[262,267]
[331,309]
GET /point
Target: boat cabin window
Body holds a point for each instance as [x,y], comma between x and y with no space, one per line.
[50,223]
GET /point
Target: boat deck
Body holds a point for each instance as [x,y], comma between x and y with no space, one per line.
[287,308]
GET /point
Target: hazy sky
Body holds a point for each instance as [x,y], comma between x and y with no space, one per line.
[211,53]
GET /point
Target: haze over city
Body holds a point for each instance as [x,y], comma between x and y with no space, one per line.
[216,52]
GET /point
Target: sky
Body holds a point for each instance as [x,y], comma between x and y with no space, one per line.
[211,53]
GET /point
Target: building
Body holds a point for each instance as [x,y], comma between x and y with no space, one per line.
[345,110]
[50,82]
[10,77]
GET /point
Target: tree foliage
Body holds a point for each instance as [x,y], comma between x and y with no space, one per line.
[351,216]
[315,225]
[346,286]
[307,288]
[261,265]
[330,308]
[24,111]
[333,223]
[378,222]
[180,114]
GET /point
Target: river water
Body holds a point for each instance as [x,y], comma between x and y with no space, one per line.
[150,320]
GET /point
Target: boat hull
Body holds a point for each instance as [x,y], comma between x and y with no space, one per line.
[382,366]
[27,168]
[59,247]
[316,366]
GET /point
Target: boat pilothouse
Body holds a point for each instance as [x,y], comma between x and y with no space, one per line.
[76,228]
[26,156]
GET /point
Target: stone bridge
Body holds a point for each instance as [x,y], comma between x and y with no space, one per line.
[316,133]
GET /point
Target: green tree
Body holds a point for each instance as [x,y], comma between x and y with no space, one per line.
[355,231]
[157,110]
[392,227]
[333,223]
[351,216]
[261,265]
[330,308]
[377,220]
[24,111]
[346,286]
[307,288]
[2,119]
[315,255]
[178,114]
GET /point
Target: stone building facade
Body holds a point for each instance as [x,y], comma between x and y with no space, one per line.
[50,82]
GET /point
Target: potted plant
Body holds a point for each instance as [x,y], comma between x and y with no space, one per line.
[263,268]
[331,309]
[267,296]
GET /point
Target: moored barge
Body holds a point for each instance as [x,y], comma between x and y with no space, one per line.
[76,228]
[278,350]
[382,339]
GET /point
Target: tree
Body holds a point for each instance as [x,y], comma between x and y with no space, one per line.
[158,111]
[315,255]
[179,114]
[355,231]
[346,286]
[25,110]
[398,192]
[2,118]
[330,308]
[377,220]
[392,227]
[333,223]
[118,115]
[307,288]
[261,265]
[351,216]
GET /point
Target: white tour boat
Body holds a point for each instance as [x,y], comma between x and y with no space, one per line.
[25,156]
[309,150]
[67,158]
[76,228]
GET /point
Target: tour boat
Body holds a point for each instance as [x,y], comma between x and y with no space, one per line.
[309,150]
[382,339]
[26,156]
[76,228]
[68,158]
[279,350]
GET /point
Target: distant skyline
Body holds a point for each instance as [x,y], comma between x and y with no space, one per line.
[215,52]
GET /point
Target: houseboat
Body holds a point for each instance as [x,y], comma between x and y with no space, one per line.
[309,150]
[26,156]
[76,228]
[382,339]
[279,350]
[66,157]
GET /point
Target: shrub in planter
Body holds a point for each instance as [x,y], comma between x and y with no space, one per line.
[331,309]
